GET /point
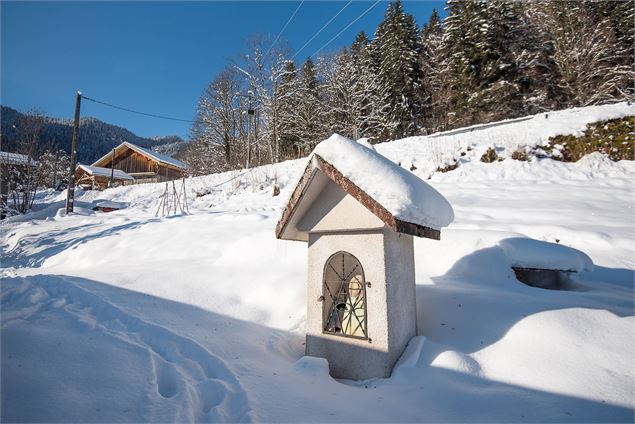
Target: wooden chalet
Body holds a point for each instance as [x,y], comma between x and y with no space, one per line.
[142,164]
[98,178]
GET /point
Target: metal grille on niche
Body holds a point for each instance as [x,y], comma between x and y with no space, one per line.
[344,293]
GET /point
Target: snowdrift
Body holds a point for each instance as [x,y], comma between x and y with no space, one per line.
[128,316]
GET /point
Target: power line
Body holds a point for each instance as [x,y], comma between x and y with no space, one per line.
[322,29]
[347,27]
[136,111]
[283,28]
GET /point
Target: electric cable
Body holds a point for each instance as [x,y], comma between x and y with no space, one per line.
[322,29]
[347,27]
[283,28]
[135,111]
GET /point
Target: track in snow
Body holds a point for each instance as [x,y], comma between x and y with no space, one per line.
[185,383]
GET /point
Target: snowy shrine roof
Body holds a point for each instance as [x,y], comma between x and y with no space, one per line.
[403,201]
[161,158]
[98,171]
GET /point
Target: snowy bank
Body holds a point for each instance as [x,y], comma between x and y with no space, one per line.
[130,317]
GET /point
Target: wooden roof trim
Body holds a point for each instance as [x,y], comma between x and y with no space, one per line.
[127,146]
[360,195]
[375,207]
[173,167]
[107,158]
[142,151]
[303,184]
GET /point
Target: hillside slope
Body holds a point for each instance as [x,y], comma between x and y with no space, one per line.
[128,316]
[96,137]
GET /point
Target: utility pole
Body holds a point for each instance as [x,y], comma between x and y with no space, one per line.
[256,130]
[4,187]
[70,194]
[112,168]
[250,113]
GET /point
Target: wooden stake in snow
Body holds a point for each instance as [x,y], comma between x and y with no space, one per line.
[173,201]
[185,205]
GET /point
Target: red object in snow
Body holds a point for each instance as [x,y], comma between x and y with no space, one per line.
[104,209]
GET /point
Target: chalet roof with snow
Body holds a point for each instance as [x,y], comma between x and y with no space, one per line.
[98,171]
[7,158]
[405,203]
[157,157]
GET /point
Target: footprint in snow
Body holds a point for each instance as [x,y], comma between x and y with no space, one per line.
[186,380]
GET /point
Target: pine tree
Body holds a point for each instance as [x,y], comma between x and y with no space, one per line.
[622,17]
[533,52]
[488,60]
[506,56]
[368,110]
[289,98]
[491,60]
[339,93]
[397,50]
[309,110]
[434,70]
[619,15]
[349,92]
[589,62]
[463,46]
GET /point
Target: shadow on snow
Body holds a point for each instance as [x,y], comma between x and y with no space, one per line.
[188,349]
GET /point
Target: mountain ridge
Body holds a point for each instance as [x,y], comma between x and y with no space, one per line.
[96,137]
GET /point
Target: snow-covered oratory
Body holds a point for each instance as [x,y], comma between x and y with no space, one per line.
[359,211]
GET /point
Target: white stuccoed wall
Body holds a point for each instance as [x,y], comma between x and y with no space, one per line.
[388,262]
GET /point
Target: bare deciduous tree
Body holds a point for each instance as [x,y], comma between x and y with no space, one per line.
[217,124]
[24,178]
[54,167]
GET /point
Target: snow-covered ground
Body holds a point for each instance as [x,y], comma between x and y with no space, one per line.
[125,316]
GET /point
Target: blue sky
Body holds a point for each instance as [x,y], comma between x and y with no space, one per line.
[152,56]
